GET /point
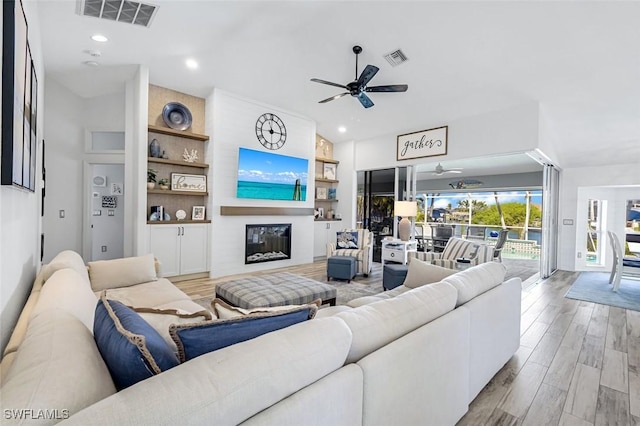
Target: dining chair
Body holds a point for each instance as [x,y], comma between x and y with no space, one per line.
[621,267]
[497,249]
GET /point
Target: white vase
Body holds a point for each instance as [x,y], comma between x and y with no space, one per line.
[151,185]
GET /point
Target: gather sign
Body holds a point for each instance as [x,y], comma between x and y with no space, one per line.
[425,143]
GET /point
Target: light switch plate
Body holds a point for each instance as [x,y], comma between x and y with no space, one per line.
[567,221]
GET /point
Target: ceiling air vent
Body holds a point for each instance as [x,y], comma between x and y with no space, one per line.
[396,57]
[130,12]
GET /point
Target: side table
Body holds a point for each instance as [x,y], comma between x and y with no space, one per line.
[398,250]
[462,263]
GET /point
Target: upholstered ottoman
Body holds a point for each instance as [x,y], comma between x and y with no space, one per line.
[393,275]
[278,289]
[341,267]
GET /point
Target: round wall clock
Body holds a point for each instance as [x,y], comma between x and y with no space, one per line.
[270,131]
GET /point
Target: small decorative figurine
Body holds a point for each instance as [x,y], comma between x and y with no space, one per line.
[190,157]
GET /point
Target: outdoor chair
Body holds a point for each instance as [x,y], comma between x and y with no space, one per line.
[458,248]
[497,249]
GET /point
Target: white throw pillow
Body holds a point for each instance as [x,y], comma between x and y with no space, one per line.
[225,311]
[421,273]
[125,272]
[476,280]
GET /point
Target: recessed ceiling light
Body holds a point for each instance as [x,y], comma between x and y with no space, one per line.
[342,129]
[99,38]
[192,64]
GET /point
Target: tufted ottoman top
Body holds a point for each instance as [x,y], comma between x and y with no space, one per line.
[277,289]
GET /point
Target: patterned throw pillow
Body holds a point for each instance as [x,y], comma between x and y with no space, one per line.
[347,240]
[131,348]
[223,310]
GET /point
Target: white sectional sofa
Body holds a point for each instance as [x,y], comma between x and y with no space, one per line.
[417,357]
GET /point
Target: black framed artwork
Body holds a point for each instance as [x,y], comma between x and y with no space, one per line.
[19,100]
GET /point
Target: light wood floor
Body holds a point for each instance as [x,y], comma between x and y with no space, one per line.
[578,363]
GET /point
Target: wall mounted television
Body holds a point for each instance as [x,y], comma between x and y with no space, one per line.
[270,176]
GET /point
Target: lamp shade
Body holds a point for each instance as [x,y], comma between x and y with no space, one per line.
[405,208]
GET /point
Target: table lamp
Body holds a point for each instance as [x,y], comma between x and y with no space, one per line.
[405,209]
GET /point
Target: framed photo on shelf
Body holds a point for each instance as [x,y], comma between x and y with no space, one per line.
[331,193]
[197,213]
[321,193]
[330,171]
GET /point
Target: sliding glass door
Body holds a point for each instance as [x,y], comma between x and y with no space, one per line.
[549,252]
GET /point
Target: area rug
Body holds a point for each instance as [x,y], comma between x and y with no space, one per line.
[595,287]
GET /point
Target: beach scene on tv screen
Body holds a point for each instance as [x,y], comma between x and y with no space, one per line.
[265,175]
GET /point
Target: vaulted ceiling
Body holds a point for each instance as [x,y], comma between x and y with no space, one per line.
[579,60]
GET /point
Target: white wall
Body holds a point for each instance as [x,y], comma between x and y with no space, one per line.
[68,118]
[500,132]
[616,184]
[347,189]
[64,151]
[230,121]
[20,224]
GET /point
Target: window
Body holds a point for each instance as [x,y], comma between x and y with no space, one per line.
[596,232]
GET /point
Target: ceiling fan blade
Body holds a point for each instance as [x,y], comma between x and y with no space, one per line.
[390,88]
[317,80]
[367,74]
[365,100]
[453,171]
[333,97]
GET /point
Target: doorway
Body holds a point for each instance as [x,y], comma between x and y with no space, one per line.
[104,235]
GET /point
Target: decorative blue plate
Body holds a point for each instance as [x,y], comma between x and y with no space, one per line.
[176,116]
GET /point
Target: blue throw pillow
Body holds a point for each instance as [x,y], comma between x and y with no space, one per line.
[200,338]
[347,240]
[131,348]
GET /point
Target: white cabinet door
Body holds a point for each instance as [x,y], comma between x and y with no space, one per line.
[324,232]
[194,244]
[320,239]
[181,249]
[164,243]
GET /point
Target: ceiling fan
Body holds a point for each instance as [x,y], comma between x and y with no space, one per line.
[358,88]
[439,170]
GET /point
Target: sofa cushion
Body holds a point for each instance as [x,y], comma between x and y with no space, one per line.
[124,272]
[57,367]
[149,295]
[225,311]
[68,291]
[476,280]
[131,348]
[421,273]
[65,259]
[379,323]
[197,339]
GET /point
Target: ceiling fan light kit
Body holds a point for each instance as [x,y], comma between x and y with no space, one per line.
[358,88]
